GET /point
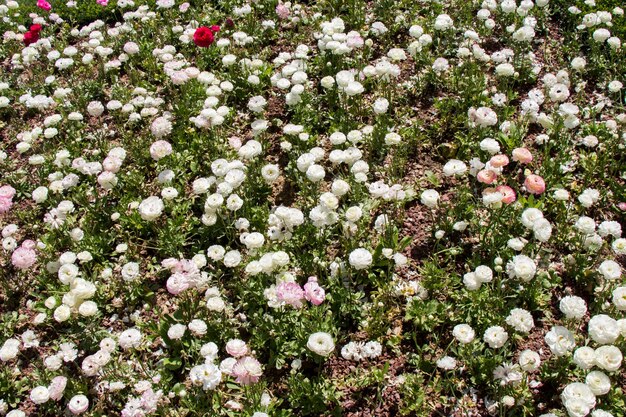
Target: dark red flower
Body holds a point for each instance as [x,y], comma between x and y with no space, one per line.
[35,28]
[203,37]
[30,37]
[215,28]
[229,23]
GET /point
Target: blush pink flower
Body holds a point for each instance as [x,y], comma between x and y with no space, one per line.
[23,258]
[535,184]
[247,370]
[177,283]
[6,191]
[313,292]
[5,204]
[234,142]
[57,387]
[282,11]
[498,161]
[237,348]
[486,176]
[522,155]
[621,206]
[507,192]
[290,293]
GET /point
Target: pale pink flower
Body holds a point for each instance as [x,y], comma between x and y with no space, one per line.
[29,244]
[486,176]
[535,184]
[23,258]
[234,142]
[6,191]
[5,204]
[522,155]
[498,161]
[282,11]
[57,387]
[507,192]
[313,292]
[290,293]
[236,348]
[177,283]
[247,370]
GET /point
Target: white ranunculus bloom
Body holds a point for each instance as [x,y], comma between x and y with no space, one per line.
[321,343]
[151,208]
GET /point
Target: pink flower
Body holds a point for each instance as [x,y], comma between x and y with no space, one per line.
[290,293]
[29,244]
[354,41]
[236,348]
[102,2]
[57,387]
[177,283]
[313,292]
[23,258]
[282,11]
[522,155]
[43,4]
[498,161]
[535,184]
[486,176]
[150,399]
[622,206]
[247,370]
[6,191]
[5,204]
[507,192]
[234,142]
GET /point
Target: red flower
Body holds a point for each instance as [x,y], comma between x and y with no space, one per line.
[214,29]
[35,28]
[31,37]
[203,37]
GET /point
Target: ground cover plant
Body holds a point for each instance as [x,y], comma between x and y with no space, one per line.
[325,208]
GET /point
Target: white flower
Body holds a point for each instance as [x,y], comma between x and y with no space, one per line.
[446,363]
[78,404]
[609,358]
[585,357]
[360,259]
[198,327]
[463,333]
[560,340]
[430,198]
[454,167]
[603,329]
[207,375]
[321,343]
[177,331]
[573,307]
[130,338]
[578,399]
[529,360]
[495,337]
[521,320]
[39,395]
[151,208]
[522,267]
[610,270]
[598,382]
